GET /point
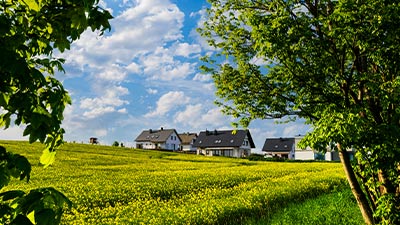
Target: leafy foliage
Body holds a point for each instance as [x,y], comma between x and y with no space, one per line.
[334,63]
[30,31]
[42,206]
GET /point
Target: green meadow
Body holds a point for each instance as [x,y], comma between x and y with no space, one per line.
[113,185]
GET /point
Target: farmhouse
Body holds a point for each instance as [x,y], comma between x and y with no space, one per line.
[288,148]
[280,147]
[93,140]
[163,139]
[188,140]
[224,143]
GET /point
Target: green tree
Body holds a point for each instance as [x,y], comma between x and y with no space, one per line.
[30,31]
[334,63]
[115,144]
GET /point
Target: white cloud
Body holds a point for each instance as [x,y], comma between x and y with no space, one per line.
[161,65]
[112,73]
[104,104]
[198,117]
[185,49]
[190,115]
[140,29]
[214,116]
[151,91]
[133,68]
[98,111]
[202,14]
[202,77]
[123,110]
[168,102]
[180,70]
[294,129]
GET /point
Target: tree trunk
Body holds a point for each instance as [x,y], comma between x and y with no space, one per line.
[355,186]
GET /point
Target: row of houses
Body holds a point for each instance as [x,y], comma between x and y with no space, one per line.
[211,143]
[231,143]
[288,148]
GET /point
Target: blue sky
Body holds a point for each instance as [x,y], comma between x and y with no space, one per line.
[144,75]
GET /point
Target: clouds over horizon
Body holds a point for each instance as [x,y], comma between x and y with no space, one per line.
[143,74]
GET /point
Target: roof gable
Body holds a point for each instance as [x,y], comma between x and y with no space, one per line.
[187,138]
[156,136]
[223,138]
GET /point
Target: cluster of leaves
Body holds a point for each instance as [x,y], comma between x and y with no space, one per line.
[334,63]
[39,206]
[125,186]
[30,31]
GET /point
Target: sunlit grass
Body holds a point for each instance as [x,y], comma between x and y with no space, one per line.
[112,185]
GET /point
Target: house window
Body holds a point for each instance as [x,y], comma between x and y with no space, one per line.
[172,137]
[228,153]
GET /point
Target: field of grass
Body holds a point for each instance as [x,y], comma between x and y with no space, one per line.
[112,185]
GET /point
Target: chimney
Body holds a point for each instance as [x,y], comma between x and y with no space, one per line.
[162,128]
[151,131]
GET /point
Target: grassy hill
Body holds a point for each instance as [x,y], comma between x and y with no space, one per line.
[113,185]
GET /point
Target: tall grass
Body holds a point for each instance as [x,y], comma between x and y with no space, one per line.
[337,208]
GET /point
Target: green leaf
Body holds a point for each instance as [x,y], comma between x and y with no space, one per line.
[4,99]
[8,195]
[45,217]
[21,220]
[47,157]
[4,177]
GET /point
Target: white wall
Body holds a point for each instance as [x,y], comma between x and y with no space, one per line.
[147,145]
[172,143]
[304,155]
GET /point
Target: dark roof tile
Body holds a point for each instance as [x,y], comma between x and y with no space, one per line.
[223,138]
[278,145]
[155,136]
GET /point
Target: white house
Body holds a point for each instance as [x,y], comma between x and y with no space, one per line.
[166,139]
[302,154]
[280,147]
[288,148]
[224,143]
[309,154]
[188,140]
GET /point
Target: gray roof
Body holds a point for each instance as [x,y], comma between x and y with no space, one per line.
[187,138]
[156,136]
[278,145]
[223,138]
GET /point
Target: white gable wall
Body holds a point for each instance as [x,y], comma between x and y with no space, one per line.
[172,143]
